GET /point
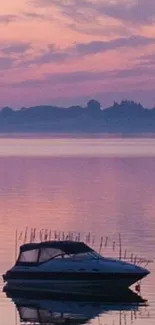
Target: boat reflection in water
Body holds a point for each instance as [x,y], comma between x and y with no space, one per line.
[54,310]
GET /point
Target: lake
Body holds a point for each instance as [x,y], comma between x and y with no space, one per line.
[101,185]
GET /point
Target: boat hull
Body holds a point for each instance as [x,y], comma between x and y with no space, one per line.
[81,286]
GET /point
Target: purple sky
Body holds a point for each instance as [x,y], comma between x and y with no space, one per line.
[65,52]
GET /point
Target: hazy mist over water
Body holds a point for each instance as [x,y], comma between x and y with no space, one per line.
[87,146]
[100,185]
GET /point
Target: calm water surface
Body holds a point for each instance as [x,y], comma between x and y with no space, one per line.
[102,186]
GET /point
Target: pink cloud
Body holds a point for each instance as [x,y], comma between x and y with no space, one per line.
[50,47]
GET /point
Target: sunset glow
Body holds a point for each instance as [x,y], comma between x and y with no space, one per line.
[65,52]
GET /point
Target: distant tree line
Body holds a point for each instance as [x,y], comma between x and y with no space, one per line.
[124,117]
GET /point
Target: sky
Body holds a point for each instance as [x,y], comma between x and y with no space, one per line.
[65,52]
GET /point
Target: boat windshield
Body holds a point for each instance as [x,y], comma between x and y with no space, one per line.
[88,255]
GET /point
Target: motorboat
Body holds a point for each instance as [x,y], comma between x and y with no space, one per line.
[69,267]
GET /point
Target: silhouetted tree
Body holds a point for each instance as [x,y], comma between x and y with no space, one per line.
[94,107]
[7,111]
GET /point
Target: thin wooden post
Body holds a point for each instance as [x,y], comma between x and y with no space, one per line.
[101,242]
[120,246]
[16,244]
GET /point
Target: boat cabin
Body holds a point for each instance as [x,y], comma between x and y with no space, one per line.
[36,253]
